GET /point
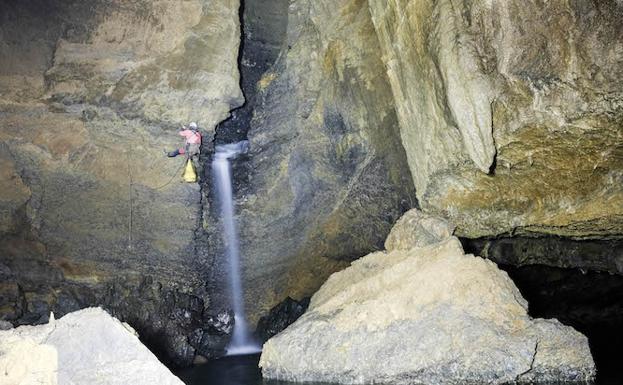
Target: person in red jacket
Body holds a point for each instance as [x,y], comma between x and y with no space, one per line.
[193,142]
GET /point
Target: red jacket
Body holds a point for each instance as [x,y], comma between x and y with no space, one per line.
[191,136]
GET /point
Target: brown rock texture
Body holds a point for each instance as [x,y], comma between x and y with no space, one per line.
[504,117]
[510,111]
[326,175]
[92,210]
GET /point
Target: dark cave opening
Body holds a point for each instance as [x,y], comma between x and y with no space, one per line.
[590,301]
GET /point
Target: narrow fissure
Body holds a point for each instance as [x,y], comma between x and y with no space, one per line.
[263,29]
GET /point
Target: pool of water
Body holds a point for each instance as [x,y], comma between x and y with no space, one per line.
[234,370]
[243,370]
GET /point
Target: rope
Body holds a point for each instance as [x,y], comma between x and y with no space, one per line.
[130,182]
[173,177]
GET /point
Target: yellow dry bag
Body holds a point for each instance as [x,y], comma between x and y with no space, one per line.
[190,175]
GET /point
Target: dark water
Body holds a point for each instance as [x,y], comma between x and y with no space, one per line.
[235,370]
[243,370]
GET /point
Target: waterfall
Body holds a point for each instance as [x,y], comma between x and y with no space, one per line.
[242,341]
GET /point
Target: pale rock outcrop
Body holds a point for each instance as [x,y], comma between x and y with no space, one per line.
[510,111]
[427,314]
[85,347]
[417,229]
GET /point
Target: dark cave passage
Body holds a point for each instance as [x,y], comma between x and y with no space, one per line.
[591,302]
[558,277]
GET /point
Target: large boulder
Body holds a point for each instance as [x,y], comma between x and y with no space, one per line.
[427,314]
[85,347]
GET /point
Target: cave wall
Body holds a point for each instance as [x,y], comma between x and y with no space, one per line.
[503,116]
[326,175]
[510,111]
[264,28]
[603,255]
[93,213]
[509,115]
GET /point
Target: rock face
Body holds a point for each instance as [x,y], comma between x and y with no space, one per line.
[264,28]
[510,111]
[424,314]
[596,255]
[280,317]
[92,213]
[509,115]
[503,116]
[417,229]
[84,347]
[326,175]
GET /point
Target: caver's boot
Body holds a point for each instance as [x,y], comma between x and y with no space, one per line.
[173,154]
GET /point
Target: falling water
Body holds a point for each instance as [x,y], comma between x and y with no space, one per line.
[242,342]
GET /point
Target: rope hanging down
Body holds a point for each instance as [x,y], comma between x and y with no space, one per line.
[173,177]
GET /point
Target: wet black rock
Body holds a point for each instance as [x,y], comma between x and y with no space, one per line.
[210,341]
[175,324]
[280,317]
[264,25]
[555,251]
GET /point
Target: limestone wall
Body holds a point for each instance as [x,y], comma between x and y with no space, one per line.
[510,111]
[91,93]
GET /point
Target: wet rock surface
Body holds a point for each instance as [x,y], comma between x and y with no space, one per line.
[426,314]
[280,317]
[264,27]
[327,175]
